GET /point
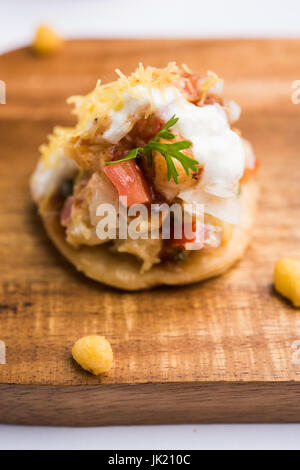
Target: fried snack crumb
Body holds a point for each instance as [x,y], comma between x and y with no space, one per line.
[93,353]
[46,41]
[287,279]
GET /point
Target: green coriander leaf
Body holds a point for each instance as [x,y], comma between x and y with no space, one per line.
[166,135]
[171,122]
[187,162]
[180,256]
[181,145]
[239,191]
[172,171]
[130,156]
[162,134]
[169,151]
[148,154]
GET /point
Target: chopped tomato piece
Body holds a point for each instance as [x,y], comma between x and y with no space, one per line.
[249,171]
[197,240]
[145,129]
[129,181]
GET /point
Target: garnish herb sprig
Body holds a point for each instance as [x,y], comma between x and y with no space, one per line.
[167,150]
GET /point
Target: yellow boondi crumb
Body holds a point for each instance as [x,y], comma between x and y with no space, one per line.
[287,279]
[93,353]
[46,41]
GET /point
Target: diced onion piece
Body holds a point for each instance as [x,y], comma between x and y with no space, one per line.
[227,209]
[102,192]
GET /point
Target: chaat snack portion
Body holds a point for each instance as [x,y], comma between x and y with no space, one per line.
[154,185]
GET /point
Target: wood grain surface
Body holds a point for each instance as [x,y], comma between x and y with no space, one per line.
[216,351]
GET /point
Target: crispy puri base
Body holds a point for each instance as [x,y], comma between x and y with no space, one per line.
[123,271]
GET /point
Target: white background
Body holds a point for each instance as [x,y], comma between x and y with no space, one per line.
[150,18]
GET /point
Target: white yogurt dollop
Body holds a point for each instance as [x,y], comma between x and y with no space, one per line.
[47,178]
[122,121]
[216,147]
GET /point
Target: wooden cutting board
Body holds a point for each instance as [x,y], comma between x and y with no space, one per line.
[220,351]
